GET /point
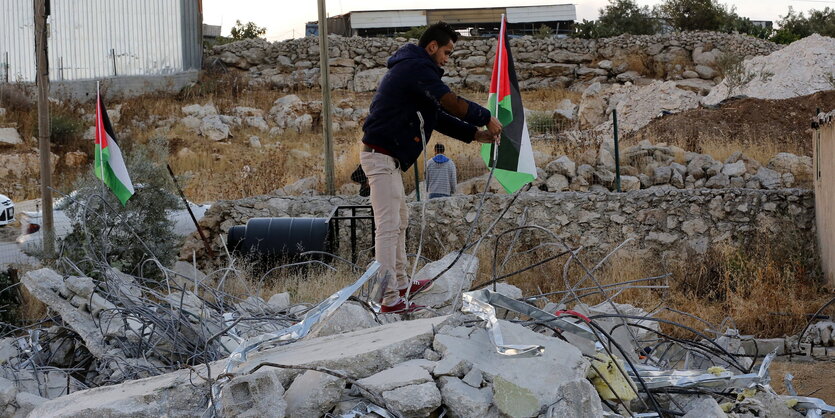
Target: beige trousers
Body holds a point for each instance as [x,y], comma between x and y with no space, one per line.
[391,217]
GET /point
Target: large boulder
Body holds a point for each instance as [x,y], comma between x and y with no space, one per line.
[212,127]
[9,136]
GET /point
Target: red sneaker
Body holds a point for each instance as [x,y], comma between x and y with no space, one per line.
[417,286]
[402,306]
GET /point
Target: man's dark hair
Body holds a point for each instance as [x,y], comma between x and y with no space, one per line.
[439,148]
[440,32]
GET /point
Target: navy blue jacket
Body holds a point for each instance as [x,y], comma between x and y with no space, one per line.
[411,84]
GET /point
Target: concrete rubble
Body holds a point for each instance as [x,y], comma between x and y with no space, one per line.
[511,359]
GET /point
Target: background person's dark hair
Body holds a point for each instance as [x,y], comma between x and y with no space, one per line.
[440,32]
[439,148]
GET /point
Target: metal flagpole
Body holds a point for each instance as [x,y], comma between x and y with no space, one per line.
[499,87]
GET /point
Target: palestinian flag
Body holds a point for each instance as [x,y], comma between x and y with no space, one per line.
[110,166]
[515,165]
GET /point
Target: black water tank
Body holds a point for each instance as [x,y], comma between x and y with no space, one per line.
[280,237]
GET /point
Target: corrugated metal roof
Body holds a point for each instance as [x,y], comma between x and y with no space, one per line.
[557,12]
[102,38]
[388,19]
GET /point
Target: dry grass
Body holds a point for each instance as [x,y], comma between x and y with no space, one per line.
[766,287]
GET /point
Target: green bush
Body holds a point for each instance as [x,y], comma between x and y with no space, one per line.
[794,26]
[125,235]
[618,17]
[247,31]
[414,33]
[540,122]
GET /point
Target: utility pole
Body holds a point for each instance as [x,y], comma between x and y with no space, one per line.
[326,98]
[42,79]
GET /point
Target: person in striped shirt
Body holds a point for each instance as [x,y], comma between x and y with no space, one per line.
[441,175]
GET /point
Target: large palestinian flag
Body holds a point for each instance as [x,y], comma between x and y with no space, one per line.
[515,165]
[110,166]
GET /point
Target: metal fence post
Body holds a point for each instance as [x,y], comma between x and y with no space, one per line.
[617,151]
[6,66]
[113,55]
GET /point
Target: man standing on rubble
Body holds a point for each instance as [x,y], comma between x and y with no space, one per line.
[411,97]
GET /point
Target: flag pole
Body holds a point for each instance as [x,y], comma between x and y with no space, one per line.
[499,86]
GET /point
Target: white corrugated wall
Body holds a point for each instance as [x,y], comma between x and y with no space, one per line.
[100,38]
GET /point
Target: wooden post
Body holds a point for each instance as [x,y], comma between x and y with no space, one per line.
[326,98]
[42,79]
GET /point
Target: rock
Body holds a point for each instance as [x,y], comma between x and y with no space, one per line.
[81,286]
[563,166]
[705,72]
[9,136]
[578,399]
[8,392]
[257,122]
[399,376]
[313,394]
[188,276]
[734,169]
[414,401]
[26,403]
[557,183]
[200,112]
[586,172]
[662,175]
[522,386]
[690,74]
[604,177]
[190,122]
[696,85]
[450,285]
[75,159]
[212,127]
[463,400]
[303,187]
[565,112]
[259,394]
[474,378]
[254,142]
[768,178]
[799,167]
[351,316]
[473,61]
[452,366]
[719,181]
[629,183]
[279,302]
[368,80]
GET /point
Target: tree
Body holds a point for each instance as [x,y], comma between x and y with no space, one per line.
[247,31]
[624,16]
[127,235]
[794,26]
[618,17]
[685,15]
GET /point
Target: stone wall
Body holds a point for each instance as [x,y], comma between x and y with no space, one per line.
[358,63]
[674,223]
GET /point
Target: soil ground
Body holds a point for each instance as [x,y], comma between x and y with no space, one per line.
[816,379]
[750,120]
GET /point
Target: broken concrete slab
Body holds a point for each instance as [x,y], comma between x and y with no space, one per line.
[279,302]
[528,384]
[463,400]
[359,354]
[577,399]
[398,376]
[254,395]
[448,287]
[474,377]
[701,407]
[312,394]
[420,362]
[44,284]
[452,366]
[414,400]
[26,403]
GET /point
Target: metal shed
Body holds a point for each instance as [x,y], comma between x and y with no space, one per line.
[91,39]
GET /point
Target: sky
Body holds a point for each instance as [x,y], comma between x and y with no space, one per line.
[284,22]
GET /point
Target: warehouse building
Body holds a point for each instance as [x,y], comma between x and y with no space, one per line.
[524,20]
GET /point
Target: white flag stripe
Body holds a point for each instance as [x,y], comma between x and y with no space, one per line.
[527,164]
[117,164]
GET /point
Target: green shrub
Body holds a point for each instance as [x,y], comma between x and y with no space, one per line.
[540,122]
[65,128]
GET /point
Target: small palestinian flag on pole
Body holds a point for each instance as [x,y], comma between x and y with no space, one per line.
[515,165]
[110,166]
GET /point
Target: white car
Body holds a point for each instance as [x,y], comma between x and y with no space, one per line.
[30,239]
[6,210]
